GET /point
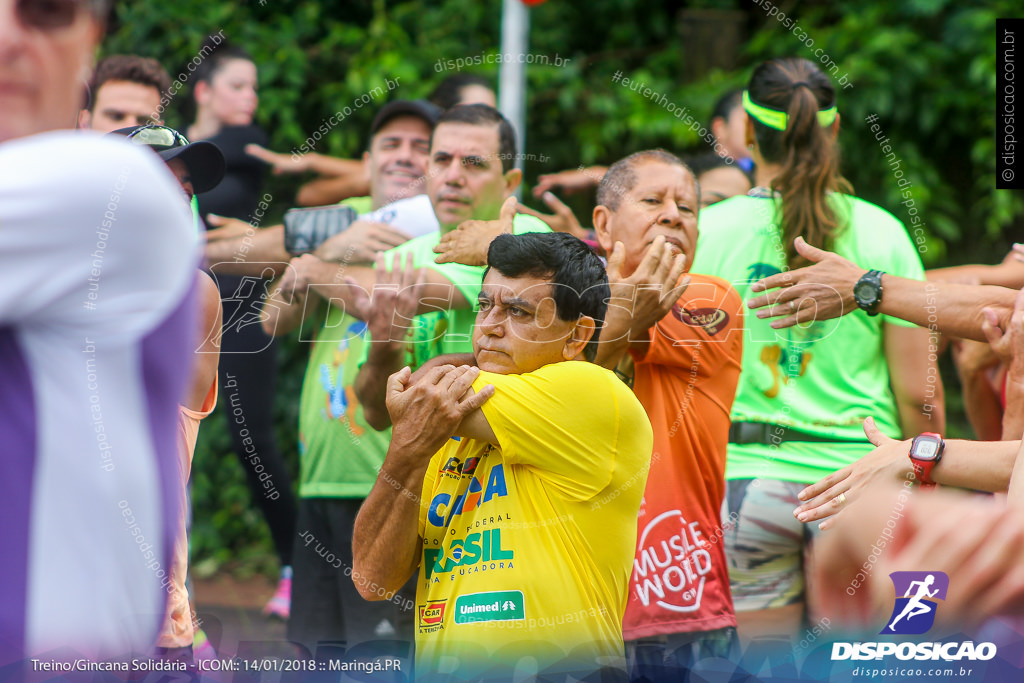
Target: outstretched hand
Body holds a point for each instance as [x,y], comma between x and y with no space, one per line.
[887,462]
[468,243]
[570,181]
[389,310]
[562,220]
[817,292]
[281,163]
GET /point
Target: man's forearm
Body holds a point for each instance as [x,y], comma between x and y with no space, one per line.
[249,254]
[371,383]
[949,308]
[385,540]
[1013,418]
[1009,273]
[332,190]
[281,317]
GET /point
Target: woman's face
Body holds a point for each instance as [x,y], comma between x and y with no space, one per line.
[231,95]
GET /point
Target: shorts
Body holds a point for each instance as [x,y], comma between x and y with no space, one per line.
[326,607]
[672,656]
[766,547]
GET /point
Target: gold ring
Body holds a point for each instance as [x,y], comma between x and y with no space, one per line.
[841,498]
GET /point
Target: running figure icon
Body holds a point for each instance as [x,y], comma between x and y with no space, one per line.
[916,605]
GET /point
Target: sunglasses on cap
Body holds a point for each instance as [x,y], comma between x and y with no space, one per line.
[52,15]
[158,137]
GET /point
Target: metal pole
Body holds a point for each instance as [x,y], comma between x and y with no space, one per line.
[515,36]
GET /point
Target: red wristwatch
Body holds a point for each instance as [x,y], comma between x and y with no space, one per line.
[925,452]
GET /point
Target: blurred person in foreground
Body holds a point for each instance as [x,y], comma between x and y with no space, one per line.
[96,325]
[226,98]
[198,166]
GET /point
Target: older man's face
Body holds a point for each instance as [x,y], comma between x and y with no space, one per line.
[45,57]
[517,326]
[663,202]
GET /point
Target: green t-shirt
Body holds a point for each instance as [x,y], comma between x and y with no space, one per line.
[824,378]
[339,453]
[447,331]
[360,204]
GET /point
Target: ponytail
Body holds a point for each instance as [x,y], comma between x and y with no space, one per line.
[802,98]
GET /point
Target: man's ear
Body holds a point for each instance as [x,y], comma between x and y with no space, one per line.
[84,119]
[748,137]
[580,337]
[512,180]
[366,168]
[602,226]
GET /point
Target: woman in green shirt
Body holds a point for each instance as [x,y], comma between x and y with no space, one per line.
[805,391]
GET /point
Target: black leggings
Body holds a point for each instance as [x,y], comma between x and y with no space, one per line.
[248,370]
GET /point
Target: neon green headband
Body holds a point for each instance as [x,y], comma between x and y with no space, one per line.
[778,120]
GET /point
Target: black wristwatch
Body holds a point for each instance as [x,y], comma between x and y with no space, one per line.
[868,291]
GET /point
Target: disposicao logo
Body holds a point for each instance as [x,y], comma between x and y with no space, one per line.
[914,613]
[917,596]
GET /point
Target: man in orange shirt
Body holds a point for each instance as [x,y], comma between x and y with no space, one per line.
[685,341]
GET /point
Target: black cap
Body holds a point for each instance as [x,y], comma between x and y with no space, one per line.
[204,160]
[422,109]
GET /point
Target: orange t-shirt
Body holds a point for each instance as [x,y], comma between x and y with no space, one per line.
[686,382]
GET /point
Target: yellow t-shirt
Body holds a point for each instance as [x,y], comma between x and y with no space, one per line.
[528,545]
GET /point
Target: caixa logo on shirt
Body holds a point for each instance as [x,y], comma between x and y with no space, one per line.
[671,563]
[442,509]
[917,596]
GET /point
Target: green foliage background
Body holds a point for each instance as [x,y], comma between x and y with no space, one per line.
[926,68]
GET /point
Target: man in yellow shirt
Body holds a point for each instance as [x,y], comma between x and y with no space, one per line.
[513,487]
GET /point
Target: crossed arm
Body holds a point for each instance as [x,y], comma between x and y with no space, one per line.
[358,289]
[426,413]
